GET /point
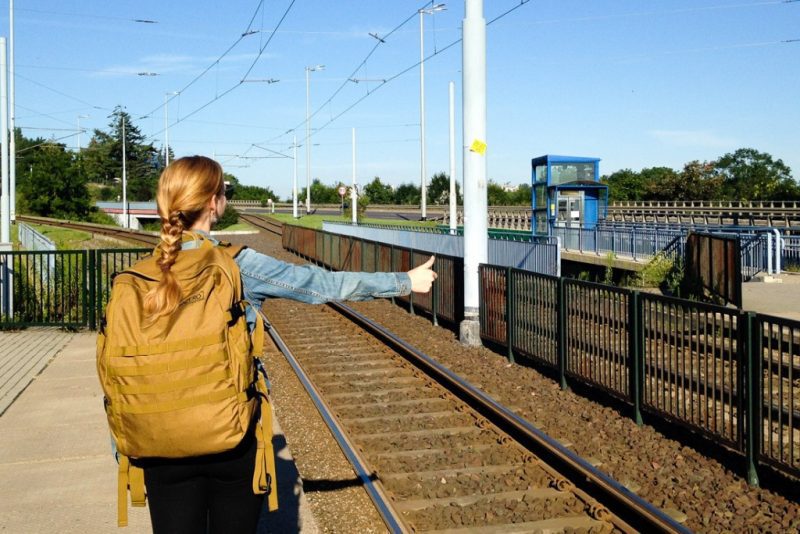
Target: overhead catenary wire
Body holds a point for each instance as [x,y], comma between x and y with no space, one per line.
[236,85]
[390,78]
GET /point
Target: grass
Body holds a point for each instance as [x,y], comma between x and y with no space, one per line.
[67,239]
[64,238]
[315,221]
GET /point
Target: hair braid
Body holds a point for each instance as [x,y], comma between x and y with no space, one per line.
[184,190]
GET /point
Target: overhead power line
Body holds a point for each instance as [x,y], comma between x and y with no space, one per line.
[388,79]
[242,78]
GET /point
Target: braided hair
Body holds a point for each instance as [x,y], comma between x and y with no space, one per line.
[184,190]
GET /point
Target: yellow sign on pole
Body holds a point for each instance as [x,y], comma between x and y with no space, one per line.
[479,147]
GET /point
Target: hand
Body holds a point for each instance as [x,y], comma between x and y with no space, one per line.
[422,276]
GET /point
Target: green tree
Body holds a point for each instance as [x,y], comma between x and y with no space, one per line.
[378,192]
[748,174]
[249,192]
[624,184]
[321,193]
[522,196]
[439,190]
[407,194]
[496,195]
[52,187]
[656,179]
[101,161]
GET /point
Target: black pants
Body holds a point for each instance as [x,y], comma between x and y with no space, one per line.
[207,494]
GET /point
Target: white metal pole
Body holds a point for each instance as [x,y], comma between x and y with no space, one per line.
[166,130]
[474,134]
[308,141]
[124,179]
[294,181]
[5,205]
[422,171]
[6,303]
[453,195]
[12,115]
[353,194]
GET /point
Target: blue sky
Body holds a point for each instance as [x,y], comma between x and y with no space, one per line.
[635,83]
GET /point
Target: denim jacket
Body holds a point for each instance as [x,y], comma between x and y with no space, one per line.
[263,276]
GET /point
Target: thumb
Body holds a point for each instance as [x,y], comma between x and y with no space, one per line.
[428,264]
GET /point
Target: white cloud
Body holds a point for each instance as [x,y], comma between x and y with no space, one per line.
[172,63]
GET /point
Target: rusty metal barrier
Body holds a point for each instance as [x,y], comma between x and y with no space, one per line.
[346,253]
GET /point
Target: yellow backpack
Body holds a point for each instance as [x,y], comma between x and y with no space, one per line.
[189,384]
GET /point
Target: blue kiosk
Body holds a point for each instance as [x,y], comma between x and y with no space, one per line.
[567,193]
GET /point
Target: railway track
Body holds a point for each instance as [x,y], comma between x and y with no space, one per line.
[135,236]
[138,236]
[435,453]
[263,223]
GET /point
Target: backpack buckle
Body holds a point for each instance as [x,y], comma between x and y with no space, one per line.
[236,311]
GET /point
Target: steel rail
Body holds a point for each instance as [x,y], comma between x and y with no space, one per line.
[374,488]
[623,503]
[263,223]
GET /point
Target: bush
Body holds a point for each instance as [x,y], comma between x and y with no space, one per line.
[97,216]
[229,218]
[664,273]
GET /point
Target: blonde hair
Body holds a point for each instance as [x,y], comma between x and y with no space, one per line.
[184,190]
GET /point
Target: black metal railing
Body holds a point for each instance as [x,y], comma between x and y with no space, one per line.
[733,376]
[64,288]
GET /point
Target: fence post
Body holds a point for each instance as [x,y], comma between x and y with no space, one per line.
[411,295]
[435,302]
[635,354]
[750,349]
[511,314]
[561,327]
[92,296]
[391,264]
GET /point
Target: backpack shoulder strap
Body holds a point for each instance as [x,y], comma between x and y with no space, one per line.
[231,250]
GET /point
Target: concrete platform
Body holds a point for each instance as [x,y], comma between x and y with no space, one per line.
[781,299]
[56,469]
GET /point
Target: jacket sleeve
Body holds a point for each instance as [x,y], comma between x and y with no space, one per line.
[264,276]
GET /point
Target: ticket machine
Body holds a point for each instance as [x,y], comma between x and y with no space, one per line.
[567,193]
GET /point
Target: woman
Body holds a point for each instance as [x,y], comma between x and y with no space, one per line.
[214,493]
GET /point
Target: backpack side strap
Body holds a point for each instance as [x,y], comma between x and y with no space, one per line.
[264,476]
[129,477]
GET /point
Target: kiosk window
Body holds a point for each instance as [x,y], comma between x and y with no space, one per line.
[565,173]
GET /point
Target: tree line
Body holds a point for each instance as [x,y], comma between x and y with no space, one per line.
[438,193]
[54,181]
[743,175]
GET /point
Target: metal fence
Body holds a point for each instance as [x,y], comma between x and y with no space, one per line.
[71,294]
[762,249]
[33,240]
[790,248]
[541,255]
[733,376]
[350,253]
